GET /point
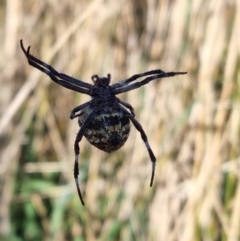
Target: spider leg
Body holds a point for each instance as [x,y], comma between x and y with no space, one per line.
[137,76]
[59,78]
[78,108]
[146,81]
[77,151]
[127,105]
[150,152]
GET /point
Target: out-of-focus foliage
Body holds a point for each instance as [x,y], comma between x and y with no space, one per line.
[192,121]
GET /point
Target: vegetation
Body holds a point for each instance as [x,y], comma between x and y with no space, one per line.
[192,121]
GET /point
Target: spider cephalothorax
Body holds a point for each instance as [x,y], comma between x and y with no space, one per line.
[105,119]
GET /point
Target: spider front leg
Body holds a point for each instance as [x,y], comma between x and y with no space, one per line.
[78,108]
[123,87]
[150,152]
[137,76]
[59,78]
[127,105]
[77,152]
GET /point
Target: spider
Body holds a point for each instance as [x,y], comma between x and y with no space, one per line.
[105,119]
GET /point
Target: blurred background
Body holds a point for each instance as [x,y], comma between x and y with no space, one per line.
[192,121]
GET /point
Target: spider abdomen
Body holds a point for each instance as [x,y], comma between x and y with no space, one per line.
[108,131]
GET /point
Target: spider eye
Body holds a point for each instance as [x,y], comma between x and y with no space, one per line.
[104,81]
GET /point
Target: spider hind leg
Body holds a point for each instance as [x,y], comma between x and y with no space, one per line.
[145,140]
[77,151]
[76,166]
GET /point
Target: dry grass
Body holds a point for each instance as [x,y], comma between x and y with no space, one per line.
[192,121]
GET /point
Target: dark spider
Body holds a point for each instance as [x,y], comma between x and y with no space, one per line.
[104,120]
